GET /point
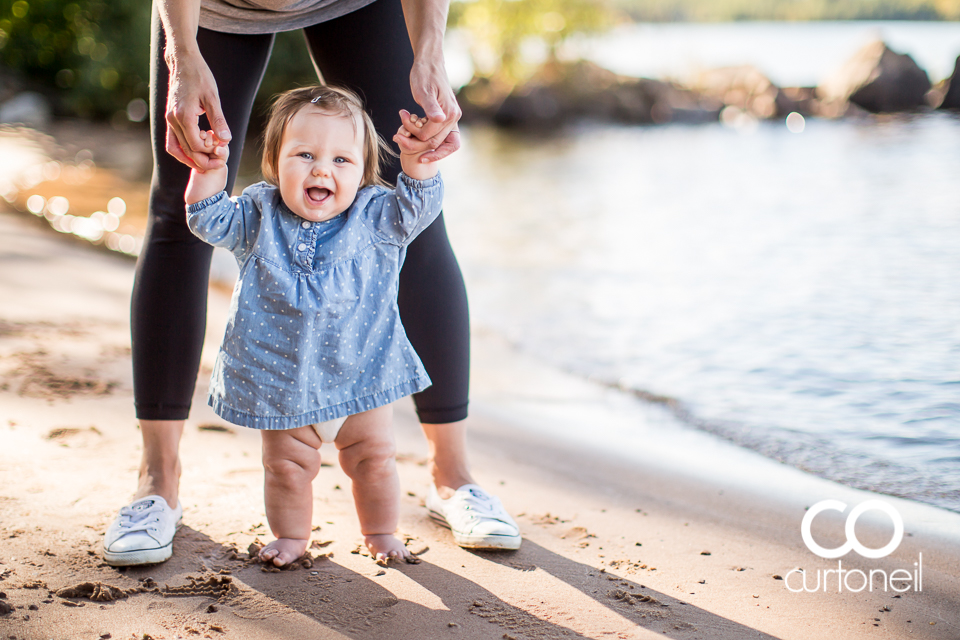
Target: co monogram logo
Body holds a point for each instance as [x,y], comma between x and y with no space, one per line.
[852,544]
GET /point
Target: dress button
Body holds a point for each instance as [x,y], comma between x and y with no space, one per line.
[305,224]
[302,247]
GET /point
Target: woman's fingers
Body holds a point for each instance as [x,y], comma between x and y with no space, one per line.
[215,117]
[415,126]
[426,128]
[410,138]
[449,144]
[409,143]
[193,92]
[175,148]
[432,91]
[412,123]
[201,160]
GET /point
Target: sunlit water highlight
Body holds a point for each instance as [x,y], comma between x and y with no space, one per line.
[796,293]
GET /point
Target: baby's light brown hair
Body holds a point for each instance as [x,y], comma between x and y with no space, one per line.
[331,100]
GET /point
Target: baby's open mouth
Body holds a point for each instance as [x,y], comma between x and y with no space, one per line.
[317,194]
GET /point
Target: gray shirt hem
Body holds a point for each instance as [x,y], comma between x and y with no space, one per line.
[217,15]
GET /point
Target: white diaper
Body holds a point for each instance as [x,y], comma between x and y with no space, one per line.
[328,430]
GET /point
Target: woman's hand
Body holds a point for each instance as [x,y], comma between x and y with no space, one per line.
[426,22]
[204,184]
[432,91]
[415,153]
[193,91]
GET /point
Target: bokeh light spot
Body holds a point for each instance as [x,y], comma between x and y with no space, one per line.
[35,204]
[117,206]
[796,122]
[58,205]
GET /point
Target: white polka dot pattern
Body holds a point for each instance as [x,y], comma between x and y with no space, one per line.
[314,331]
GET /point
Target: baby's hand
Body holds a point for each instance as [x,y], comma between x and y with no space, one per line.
[204,184]
[414,121]
[213,145]
[412,148]
[408,142]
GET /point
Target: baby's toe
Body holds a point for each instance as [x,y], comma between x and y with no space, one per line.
[267,554]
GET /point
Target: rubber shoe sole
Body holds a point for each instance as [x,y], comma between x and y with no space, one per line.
[141,556]
[511,543]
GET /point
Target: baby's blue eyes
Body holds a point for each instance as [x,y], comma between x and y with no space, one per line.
[309,156]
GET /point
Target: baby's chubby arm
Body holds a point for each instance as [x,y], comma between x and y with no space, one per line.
[230,223]
[412,150]
[204,184]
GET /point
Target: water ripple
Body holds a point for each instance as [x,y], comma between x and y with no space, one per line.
[795,294]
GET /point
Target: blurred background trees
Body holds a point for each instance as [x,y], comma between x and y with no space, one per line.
[497,31]
[91,57]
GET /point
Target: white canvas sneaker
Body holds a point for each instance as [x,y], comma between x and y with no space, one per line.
[476,518]
[142,533]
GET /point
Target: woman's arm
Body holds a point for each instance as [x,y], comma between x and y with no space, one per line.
[426,23]
[192,90]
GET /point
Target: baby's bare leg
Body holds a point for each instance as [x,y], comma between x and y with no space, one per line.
[368,456]
[291,461]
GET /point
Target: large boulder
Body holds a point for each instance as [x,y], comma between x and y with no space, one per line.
[951,99]
[562,92]
[803,100]
[744,87]
[645,101]
[559,92]
[879,80]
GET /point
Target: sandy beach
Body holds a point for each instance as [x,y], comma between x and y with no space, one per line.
[633,528]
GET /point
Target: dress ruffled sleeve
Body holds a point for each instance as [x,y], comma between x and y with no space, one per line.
[231,223]
[400,215]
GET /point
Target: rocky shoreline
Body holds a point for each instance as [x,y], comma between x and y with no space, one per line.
[875,80]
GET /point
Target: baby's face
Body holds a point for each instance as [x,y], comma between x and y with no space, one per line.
[320,165]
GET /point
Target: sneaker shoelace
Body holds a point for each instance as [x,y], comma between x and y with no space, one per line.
[140,518]
[482,505]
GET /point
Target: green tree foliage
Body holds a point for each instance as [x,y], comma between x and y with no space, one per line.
[90,55]
[497,29]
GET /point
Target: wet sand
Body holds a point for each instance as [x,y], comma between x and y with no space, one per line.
[650,532]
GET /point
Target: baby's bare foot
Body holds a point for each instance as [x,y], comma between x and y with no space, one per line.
[283,551]
[385,547]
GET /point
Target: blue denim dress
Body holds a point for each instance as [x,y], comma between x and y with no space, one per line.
[314,331]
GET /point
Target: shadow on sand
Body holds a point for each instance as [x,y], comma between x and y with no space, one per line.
[341,600]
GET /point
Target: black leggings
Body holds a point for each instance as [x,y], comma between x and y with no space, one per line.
[369,51]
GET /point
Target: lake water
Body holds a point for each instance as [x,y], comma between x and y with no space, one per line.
[798,294]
